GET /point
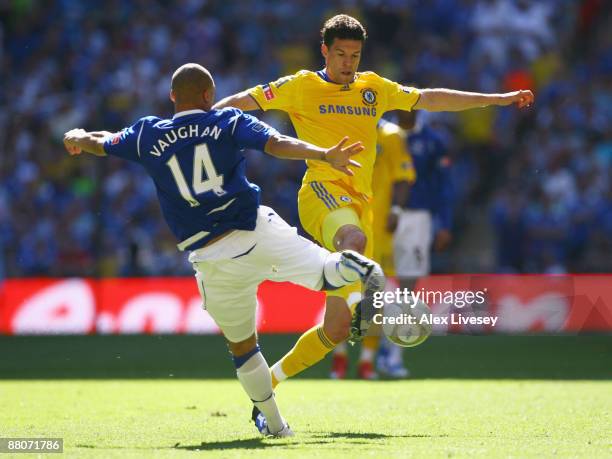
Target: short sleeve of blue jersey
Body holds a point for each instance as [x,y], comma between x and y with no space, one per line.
[249,132]
[125,143]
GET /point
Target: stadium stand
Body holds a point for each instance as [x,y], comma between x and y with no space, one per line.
[543,174]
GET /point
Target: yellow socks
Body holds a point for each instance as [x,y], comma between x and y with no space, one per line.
[309,349]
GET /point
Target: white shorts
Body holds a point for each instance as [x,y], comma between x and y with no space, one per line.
[412,244]
[229,271]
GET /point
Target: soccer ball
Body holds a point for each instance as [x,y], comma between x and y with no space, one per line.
[400,330]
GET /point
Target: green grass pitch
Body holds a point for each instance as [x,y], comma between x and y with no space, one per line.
[174,396]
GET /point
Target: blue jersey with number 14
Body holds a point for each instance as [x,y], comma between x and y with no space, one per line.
[196,162]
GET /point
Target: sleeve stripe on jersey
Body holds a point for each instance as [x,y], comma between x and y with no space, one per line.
[138,140]
[417,100]
[235,123]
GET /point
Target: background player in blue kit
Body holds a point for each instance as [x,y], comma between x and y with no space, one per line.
[424,218]
[196,162]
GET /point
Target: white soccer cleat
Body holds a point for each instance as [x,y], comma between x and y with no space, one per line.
[284,432]
[373,279]
[370,272]
[262,426]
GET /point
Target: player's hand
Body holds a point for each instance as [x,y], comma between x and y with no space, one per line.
[70,141]
[442,240]
[522,98]
[340,158]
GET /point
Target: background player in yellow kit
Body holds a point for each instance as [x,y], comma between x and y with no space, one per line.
[324,106]
[392,178]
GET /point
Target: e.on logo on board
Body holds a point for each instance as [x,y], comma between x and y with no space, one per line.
[140,305]
[81,306]
[64,307]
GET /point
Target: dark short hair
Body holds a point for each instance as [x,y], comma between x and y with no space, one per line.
[189,81]
[343,27]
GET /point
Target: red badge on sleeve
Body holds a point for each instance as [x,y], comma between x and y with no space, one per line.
[269,95]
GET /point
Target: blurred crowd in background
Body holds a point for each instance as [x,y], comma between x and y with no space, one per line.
[541,176]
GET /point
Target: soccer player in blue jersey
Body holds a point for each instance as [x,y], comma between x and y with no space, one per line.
[198,167]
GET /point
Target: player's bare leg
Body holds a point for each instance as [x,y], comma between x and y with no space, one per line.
[317,342]
[340,310]
[351,235]
[337,319]
[254,376]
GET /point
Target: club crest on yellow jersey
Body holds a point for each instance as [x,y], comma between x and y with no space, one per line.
[368,95]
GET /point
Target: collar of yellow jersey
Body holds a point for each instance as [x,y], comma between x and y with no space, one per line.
[323,75]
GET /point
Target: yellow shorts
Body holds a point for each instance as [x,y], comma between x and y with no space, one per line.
[316,200]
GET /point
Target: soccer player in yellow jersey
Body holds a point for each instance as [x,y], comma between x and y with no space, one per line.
[393,175]
[324,106]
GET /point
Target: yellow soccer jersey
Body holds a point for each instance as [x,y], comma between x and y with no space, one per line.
[393,164]
[323,112]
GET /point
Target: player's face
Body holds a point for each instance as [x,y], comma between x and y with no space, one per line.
[342,59]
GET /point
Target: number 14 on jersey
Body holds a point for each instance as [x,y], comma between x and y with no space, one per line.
[201,161]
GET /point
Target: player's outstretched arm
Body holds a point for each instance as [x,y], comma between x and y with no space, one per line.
[338,156]
[242,100]
[449,100]
[79,140]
